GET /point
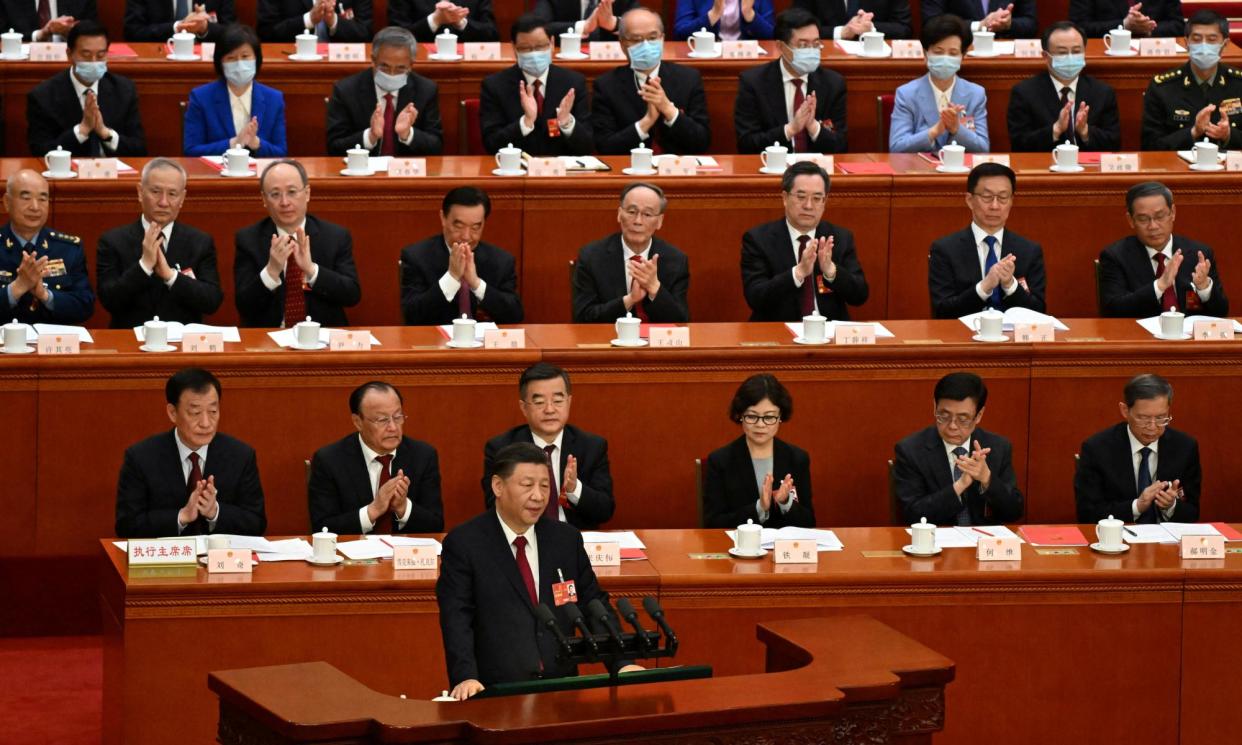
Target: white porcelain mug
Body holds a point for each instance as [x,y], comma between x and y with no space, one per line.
[358,159]
[990,324]
[446,44]
[923,536]
[182,44]
[571,44]
[1172,324]
[814,327]
[307,45]
[14,337]
[873,43]
[155,333]
[1206,153]
[1065,155]
[983,42]
[237,160]
[702,43]
[748,538]
[774,156]
[58,161]
[307,333]
[952,156]
[640,159]
[627,328]
[509,158]
[1108,532]
[1118,38]
[463,331]
[324,544]
[11,44]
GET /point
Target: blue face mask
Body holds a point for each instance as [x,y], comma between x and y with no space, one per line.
[645,55]
[90,72]
[535,63]
[241,72]
[943,66]
[390,83]
[1068,66]
[805,61]
[1205,56]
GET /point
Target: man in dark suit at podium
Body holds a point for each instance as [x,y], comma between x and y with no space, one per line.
[156,20]
[192,480]
[847,19]
[1140,470]
[34,19]
[376,480]
[580,475]
[496,568]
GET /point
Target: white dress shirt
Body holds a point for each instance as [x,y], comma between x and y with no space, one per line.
[1057,85]
[309,25]
[787,78]
[626,254]
[944,98]
[532,549]
[794,234]
[240,107]
[149,270]
[367,141]
[271,283]
[640,79]
[37,34]
[543,88]
[572,496]
[1168,256]
[374,467]
[114,138]
[1153,461]
[184,451]
[983,250]
[435,26]
[450,286]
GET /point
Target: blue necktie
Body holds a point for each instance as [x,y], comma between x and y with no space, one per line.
[1151,515]
[989,262]
[963,516]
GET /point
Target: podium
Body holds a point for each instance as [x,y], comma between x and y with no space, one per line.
[849,679]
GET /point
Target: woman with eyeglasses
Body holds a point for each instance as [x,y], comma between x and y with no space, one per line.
[758,476]
[940,107]
[235,110]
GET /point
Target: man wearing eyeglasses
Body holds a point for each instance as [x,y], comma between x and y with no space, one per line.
[955,473]
[792,100]
[1154,270]
[985,266]
[1140,470]
[632,271]
[802,263]
[378,480]
[292,265]
[581,481]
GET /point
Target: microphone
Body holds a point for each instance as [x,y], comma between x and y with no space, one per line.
[652,606]
[600,613]
[544,614]
[575,617]
[626,609]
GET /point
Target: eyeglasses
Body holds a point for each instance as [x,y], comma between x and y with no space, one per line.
[291,194]
[634,212]
[1157,219]
[384,421]
[768,419]
[989,198]
[1147,421]
[961,420]
[539,402]
[802,197]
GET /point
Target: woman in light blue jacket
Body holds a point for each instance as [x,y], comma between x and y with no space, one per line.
[940,107]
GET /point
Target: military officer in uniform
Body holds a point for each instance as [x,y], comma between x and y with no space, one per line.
[1202,98]
[42,272]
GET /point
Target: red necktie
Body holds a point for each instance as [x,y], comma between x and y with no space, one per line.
[801,141]
[385,523]
[45,13]
[196,475]
[463,300]
[808,284]
[538,99]
[389,145]
[638,308]
[524,568]
[552,511]
[1168,301]
[295,296]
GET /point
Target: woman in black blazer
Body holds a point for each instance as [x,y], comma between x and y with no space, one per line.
[757,476]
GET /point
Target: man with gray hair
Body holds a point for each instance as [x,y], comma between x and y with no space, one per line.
[389,109]
[1140,470]
[43,277]
[1154,270]
[156,266]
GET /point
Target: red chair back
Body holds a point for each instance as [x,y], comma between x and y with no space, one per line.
[471,138]
[883,119]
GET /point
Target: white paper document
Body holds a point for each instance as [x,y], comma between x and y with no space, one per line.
[404,540]
[1152,325]
[289,549]
[364,549]
[583,163]
[250,543]
[854,47]
[480,328]
[1146,533]
[32,332]
[1177,530]
[825,540]
[953,537]
[830,328]
[288,337]
[623,538]
[1015,316]
[177,330]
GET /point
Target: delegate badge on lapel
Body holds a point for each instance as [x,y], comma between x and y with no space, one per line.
[822,287]
[564,592]
[554,129]
[1192,300]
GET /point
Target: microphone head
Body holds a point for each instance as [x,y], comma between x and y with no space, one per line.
[625,608]
[572,610]
[597,609]
[652,606]
[544,614]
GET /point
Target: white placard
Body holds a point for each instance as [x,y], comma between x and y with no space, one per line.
[604,554]
[477,51]
[907,49]
[795,552]
[202,343]
[97,168]
[59,344]
[161,551]
[407,167]
[605,50]
[1119,162]
[669,336]
[347,52]
[504,339]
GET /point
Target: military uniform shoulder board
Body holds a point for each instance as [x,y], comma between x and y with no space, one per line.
[57,235]
[1168,75]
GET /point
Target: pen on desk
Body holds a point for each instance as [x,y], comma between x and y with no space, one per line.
[1131,532]
[989,535]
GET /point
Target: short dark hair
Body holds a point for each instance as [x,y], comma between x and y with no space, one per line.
[1062,26]
[793,19]
[1146,387]
[1202,18]
[984,170]
[942,27]
[803,168]
[466,196]
[1147,189]
[515,454]
[83,28]
[756,388]
[301,169]
[645,185]
[359,393]
[541,371]
[526,23]
[237,35]
[193,379]
[960,386]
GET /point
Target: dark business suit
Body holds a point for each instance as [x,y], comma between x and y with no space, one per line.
[1098,17]
[616,106]
[563,14]
[892,17]
[599,283]
[1105,483]
[336,288]
[1035,105]
[767,274]
[281,20]
[759,112]
[412,14]
[500,108]
[422,301]
[353,102]
[53,110]
[23,16]
[1127,275]
[133,297]
[1024,23]
[152,20]
[596,504]
[730,492]
[487,618]
[953,270]
[340,486]
[152,489]
[924,481]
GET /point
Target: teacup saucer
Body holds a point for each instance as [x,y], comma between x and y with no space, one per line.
[578,56]
[634,343]
[52,175]
[163,348]
[14,57]
[503,172]
[949,169]
[804,340]
[1100,547]
[984,55]
[703,55]
[348,172]
[1121,53]
[1207,166]
[335,560]
[738,554]
[317,345]
[444,57]
[990,339]
[464,344]
[183,57]
[1162,337]
[910,550]
[19,350]
[888,52]
[1065,169]
[237,174]
[631,172]
[306,57]
[772,171]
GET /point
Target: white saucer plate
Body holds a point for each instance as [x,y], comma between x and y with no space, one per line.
[803,340]
[19,350]
[335,560]
[150,348]
[347,172]
[1101,548]
[235,174]
[1207,166]
[319,345]
[444,57]
[503,172]
[51,176]
[1162,337]
[464,344]
[306,58]
[772,171]
[910,550]
[635,343]
[631,172]
[703,55]
[183,57]
[738,554]
[947,169]
[1064,169]
[990,339]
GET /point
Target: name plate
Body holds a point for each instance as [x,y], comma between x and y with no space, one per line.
[203,343]
[1031,332]
[349,340]
[907,49]
[97,168]
[795,552]
[161,551]
[669,336]
[347,52]
[1203,547]
[48,51]
[680,166]
[59,344]
[1233,161]
[739,49]
[229,561]
[207,51]
[480,50]
[977,158]
[406,558]
[605,50]
[407,167]
[545,167]
[504,339]
[863,333]
[1027,48]
[604,554]
[998,549]
[1203,330]
[1118,162]
[1160,47]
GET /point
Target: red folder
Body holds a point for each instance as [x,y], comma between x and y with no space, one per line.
[870,168]
[1227,530]
[1052,535]
[117,49]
